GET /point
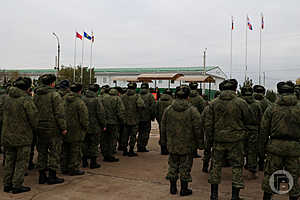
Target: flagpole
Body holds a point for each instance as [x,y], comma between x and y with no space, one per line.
[260,51]
[74,66]
[246,49]
[231,47]
[91,60]
[82,60]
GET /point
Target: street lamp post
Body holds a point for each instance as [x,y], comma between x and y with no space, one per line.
[58,50]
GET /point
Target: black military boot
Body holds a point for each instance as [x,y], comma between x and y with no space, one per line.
[31,165]
[76,172]
[261,165]
[85,163]
[195,154]
[164,150]
[43,177]
[205,167]
[94,164]
[184,191]
[131,153]
[125,151]
[140,149]
[214,192]
[111,159]
[53,179]
[235,193]
[267,196]
[173,187]
[20,190]
[7,188]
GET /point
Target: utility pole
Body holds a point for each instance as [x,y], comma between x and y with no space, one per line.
[264,79]
[204,61]
[58,50]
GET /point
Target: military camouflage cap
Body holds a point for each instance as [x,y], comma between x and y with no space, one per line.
[285,87]
[183,92]
[64,84]
[193,85]
[259,89]
[47,79]
[94,87]
[22,83]
[145,86]
[230,84]
[76,87]
[131,85]
[168,91]
[247,91]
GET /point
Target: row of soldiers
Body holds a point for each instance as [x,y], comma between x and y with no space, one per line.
[235,128]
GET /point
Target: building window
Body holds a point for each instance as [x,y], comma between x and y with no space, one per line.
[160,81]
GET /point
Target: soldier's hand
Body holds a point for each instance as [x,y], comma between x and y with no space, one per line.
[64,132]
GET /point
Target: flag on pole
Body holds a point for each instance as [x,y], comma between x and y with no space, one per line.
[87,36]
[93,37]
[262,22]
[78,35]
[232,26]
[249,24]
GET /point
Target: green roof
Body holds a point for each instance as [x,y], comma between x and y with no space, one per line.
[129,69]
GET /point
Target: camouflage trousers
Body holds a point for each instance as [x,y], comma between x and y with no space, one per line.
[207,152]
[16,161]
[129,134]
[144,134]
[49,152]
[33,144]
[90,145]
[108,138]
[71,156]
[180,164]
[251,152]
[234,153]
[289,164]
[116,136]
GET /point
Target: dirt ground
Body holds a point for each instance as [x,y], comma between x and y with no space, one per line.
[141,177]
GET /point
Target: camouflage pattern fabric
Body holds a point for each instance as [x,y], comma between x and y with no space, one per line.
[197,101]
[90,145]
[129,136]
[182,165]
[16,162]
[144,130]
[108,136]
[71,156]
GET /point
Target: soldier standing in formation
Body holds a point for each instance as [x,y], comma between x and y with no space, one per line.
[96,125]
[181,128]
[226,124]
[77,118]
[280,138]
[115,115]
[51,128]
[133,104]
[19,122]
[164,101]
[146,115]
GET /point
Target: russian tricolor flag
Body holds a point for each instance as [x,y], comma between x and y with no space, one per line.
[249,24]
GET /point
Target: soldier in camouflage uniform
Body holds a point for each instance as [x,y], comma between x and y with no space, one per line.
[197,101]
[180,128]
[226,123]
[63,88]
[147,114]
[133,104]
[164,101]
[297,91]
[281,138]
[77,118]
[115,115]
[251,140]
[20,119]
[51,128]
[2,97]
[259,95]
[103,92]
[96,124]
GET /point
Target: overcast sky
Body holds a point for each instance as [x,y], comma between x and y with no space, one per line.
[153,33]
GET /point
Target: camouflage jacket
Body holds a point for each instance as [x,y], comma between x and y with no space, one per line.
[77,118]
[51,111]
[255,115]
[148,112]
[280,127]
[63,92]
[181,127]
[133,104]
[3,96]
[264,102]
[96,112]
[164,101]
[20,119]
[197,100]
[226,119]
[114,108]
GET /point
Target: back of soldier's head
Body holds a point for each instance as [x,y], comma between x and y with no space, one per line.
[182,92]
[246,91]
[105,89]
[131,86]
[259,89]
[286,87]
[76,87]
[94,87]
[22,83]
[47,79]
[230,84]
[193,85]
[64,84]
[145,86]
